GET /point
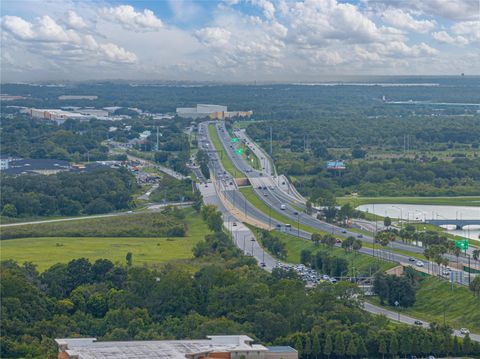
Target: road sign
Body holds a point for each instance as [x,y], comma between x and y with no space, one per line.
[234,139]
[462,244]
[239,151]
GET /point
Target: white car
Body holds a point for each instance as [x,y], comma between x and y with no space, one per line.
[464,331]
[420,264]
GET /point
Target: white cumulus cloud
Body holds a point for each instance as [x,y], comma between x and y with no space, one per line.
[403,20]
[131,19]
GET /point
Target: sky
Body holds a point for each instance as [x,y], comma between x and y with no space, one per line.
[236,40]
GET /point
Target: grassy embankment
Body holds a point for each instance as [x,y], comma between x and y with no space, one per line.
[435,296]
[149,250]
[226,162]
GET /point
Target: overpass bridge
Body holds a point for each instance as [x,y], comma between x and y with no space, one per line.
[458,223]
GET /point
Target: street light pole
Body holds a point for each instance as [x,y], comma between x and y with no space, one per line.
[298,224]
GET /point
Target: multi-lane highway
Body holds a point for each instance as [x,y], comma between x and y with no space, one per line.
[224,185]
[280,197]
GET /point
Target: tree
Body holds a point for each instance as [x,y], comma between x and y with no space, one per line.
[299,345]
[328,347]
[128,258]
[305,256]
[387,221]
[215,221]
[309,208]
[467,344]
[393,347]
[316,238]
[329,240]
[358,152]
[362,349]
[308,346]
[382,347]
[352,348]
[475,286]
[339,347]
[9,210]
[316,349]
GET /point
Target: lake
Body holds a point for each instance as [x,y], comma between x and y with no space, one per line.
[420,212]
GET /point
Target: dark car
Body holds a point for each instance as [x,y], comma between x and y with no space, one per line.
[262,264]
[344,231]
[359,235]
[418,322]
[411,259]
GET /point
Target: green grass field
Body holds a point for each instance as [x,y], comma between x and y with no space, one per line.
[447,201]
[150,251]
[226,162]
[434,296]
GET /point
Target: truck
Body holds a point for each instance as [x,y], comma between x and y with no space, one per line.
[283,207]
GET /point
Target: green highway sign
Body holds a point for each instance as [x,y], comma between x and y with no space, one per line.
[234,139]
[462,244]
[239,151]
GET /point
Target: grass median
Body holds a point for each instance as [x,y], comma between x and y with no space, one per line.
[252,197]
[226,162]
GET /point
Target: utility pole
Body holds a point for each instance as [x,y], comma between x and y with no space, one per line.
[158,145]
[271,140]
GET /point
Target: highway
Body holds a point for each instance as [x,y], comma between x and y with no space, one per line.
[244,238]
[275,191]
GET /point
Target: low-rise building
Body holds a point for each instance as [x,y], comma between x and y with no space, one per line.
[38,166]
[216,346]
[217,112]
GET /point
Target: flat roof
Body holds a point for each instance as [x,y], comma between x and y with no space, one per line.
[90,348]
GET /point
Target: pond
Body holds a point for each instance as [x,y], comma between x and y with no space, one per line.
[420,212]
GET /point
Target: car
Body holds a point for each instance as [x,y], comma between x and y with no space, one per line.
[464,331]
[418,322]
[279,225]
[338,241]
[265,194]
[206,185]
[263,264]
[344,231]
[295,213]
[359,235]
[231,183]
[288,225]
[283,207]
[234,224]
[420,264]
[431,357]
[446,272]
[333,280]
[130,212]
[325,277]
[411,259]
[260,187]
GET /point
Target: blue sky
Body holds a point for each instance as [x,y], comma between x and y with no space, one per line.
[237,40]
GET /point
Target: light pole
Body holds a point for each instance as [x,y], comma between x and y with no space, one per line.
[398,310]
[298,224]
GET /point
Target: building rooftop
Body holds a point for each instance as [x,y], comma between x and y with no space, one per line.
[90,348]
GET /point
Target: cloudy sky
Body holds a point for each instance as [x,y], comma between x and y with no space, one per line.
[237,40]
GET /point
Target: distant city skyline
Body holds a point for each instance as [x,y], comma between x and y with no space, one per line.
[237,40]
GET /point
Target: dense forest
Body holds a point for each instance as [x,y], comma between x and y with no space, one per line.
[65,193]
[229,294]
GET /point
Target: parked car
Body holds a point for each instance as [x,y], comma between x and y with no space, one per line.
[464,331]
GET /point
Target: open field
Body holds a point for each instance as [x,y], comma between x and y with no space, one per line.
[132,225]
[436,297]
[226,162]
[46,251]
[451,201]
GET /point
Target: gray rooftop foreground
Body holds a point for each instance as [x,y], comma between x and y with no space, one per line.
[90,348]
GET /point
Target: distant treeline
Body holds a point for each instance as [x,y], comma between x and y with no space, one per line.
[68,194]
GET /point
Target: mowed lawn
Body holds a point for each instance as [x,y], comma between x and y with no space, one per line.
[447,201]
[45,252]
[226,162]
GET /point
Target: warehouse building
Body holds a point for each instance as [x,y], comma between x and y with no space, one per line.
[215,112]
[216,346]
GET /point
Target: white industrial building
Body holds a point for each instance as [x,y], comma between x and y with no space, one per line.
[200,111]
[216,346]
